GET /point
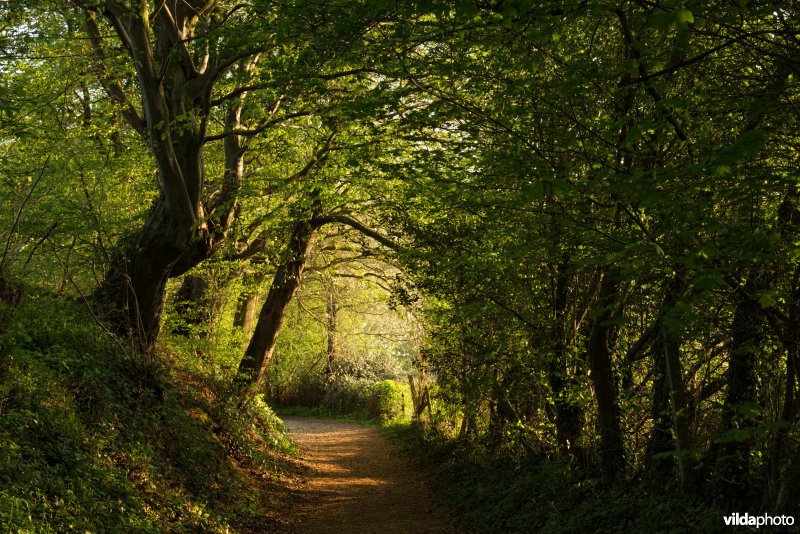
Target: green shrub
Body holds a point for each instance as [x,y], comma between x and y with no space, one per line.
[388,400]
[57,465]
[361,398]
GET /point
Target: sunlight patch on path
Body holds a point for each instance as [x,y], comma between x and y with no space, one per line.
[356,481]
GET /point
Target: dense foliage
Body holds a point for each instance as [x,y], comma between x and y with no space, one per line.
[561,234]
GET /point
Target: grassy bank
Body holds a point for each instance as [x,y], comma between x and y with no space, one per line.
[93,441]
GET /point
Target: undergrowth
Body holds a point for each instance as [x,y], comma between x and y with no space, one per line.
[496,492]
[324,412]
[346,398]
[92,442]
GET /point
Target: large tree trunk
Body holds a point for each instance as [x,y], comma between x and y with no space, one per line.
[222,213]
[135,288]
[175,95]
[284,286]
[599,353]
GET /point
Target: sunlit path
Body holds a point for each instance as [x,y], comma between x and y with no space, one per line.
[357,482]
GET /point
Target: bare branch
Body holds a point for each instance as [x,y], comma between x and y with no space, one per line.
[225,64]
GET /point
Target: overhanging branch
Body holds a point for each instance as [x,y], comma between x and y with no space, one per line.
[356,225]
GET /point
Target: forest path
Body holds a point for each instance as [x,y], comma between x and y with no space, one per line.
[354,480]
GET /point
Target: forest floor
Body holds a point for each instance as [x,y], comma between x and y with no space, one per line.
[351,479]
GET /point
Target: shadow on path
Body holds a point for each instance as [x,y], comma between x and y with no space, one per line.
[356,481]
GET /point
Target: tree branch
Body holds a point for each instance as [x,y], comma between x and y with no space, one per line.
[255,131]
[111,86]
[352,223]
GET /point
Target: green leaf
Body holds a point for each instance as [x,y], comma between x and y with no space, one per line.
[684,16]
[661,20]
[766,300]
[534,191]
[709,279]
[735,435]
[466,9]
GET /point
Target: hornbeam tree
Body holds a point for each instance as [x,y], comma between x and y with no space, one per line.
[285,283]
[195,62]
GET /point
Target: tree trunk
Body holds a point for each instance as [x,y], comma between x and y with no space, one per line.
[284,286]
[568,414]
[246,308]
[668,344]
[222,213]
[134,290]
[677,397]
[733,464]
[419,395]
[787,487]
[660,469]
[175,96]
[331,312]
[599,353]
[789,483]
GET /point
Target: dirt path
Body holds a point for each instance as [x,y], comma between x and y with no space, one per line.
[354,480]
